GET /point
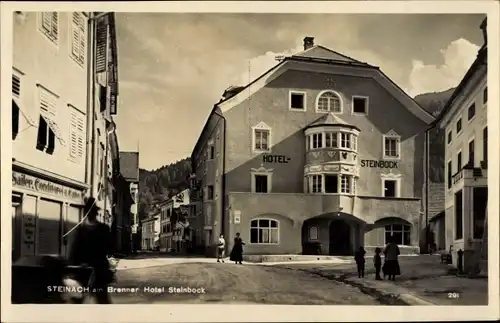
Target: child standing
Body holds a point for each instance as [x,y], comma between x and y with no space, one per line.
[377,261]
[359,257]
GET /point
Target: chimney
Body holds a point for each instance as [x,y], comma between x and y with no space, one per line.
[308,42]
[485,31]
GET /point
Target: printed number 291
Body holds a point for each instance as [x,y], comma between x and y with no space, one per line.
[453,295]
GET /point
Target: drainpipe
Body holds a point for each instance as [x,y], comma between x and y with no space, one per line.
[427,179]
[106,155]
[223,180]
[89,178]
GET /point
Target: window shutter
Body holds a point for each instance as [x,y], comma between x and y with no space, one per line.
[47,102]
[55,25]
[101,45]
[46,21]
[75,44]
[16,86]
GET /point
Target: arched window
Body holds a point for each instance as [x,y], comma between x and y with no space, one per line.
[313,233]
[264,231]
[329,102]
[401,234]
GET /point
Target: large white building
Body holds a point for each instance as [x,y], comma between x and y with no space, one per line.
[465,121]
[59,129]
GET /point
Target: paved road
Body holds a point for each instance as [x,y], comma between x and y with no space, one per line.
[231,283]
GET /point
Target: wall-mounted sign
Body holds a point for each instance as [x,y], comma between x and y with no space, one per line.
[379,163]
[237,217]
[40,185]
[275,159]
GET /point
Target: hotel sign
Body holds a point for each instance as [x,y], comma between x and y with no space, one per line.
[43,186]
[275,159]
[379,163]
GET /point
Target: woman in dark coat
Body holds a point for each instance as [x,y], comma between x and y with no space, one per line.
[237,251]
[391,265]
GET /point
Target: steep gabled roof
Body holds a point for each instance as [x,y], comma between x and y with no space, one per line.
[330,119]
[321,52]
[129,165]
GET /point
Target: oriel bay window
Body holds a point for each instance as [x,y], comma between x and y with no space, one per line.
[330,139]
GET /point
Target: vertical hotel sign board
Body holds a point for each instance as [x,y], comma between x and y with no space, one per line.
[38,185]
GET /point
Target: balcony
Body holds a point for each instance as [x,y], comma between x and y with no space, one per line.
[471,176]
[300,207]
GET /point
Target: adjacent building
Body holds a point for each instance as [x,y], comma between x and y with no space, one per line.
[464,119]
[129,168]
[307,155]
[59,129]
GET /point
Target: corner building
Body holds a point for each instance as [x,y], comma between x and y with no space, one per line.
[320,149]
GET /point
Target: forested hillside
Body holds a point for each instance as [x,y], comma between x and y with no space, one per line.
[168,180]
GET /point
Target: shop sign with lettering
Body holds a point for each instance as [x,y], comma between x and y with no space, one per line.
[379,163]
[275,159]
[43,186]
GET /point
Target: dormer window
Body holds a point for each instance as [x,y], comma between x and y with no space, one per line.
[329,101]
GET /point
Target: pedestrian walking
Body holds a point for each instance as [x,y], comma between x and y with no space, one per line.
[377,262]
[237,251]
[391,264]
[359,257]
[91,247]
[220,248]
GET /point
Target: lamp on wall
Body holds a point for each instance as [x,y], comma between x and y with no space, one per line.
[339,210]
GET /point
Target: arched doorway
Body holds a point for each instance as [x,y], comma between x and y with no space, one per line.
[340,238]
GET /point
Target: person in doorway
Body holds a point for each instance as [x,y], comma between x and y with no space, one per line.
[237,251]
[91,247]
[391,264]
[359,257]
[220,248]
[377,262]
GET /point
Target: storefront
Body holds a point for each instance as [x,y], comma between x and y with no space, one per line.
[44,208]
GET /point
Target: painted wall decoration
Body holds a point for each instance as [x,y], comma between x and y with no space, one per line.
[43,186]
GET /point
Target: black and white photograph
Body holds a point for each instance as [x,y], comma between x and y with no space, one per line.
[276,153]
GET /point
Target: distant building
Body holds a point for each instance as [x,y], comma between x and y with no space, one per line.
[173,212]
[465,121]
[320,152]
[151,232]
[129,168]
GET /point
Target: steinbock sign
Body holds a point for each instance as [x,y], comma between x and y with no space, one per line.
[379,163]
[40,185]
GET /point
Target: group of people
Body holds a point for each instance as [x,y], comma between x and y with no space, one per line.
[236,254]
[390,268]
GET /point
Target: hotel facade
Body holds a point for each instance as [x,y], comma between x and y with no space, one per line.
[322,150]
[465,121]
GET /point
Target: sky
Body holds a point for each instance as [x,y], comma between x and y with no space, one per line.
[173,67]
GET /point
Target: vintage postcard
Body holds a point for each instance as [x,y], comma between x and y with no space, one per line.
[249,161]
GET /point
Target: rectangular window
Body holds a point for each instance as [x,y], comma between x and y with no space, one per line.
[345,185]
[458,216]
[459,161]
[399,233]
[449,138]
[317,140]
[472,156]
[331,184]
[76,134]
[16,85]
[471,112]
[485,95]
[354,142]
[459,125]
[317,184]
[49,227]
[210,192]
[391,147]
[359,105]
[390,188]
[297,101]
[485,144]
[450,172]
[211,152]
[344,140]
[16,93]
[49,25]
[261,140]
[331,140]
[261,183]
[45,138]
[78,36]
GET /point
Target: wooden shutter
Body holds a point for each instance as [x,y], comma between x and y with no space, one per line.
[47,102]
[101,44]
[75,34]
[77,133]
[55,25]
[46,22]
[16,86]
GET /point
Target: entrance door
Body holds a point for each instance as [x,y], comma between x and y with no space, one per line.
[340,238]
